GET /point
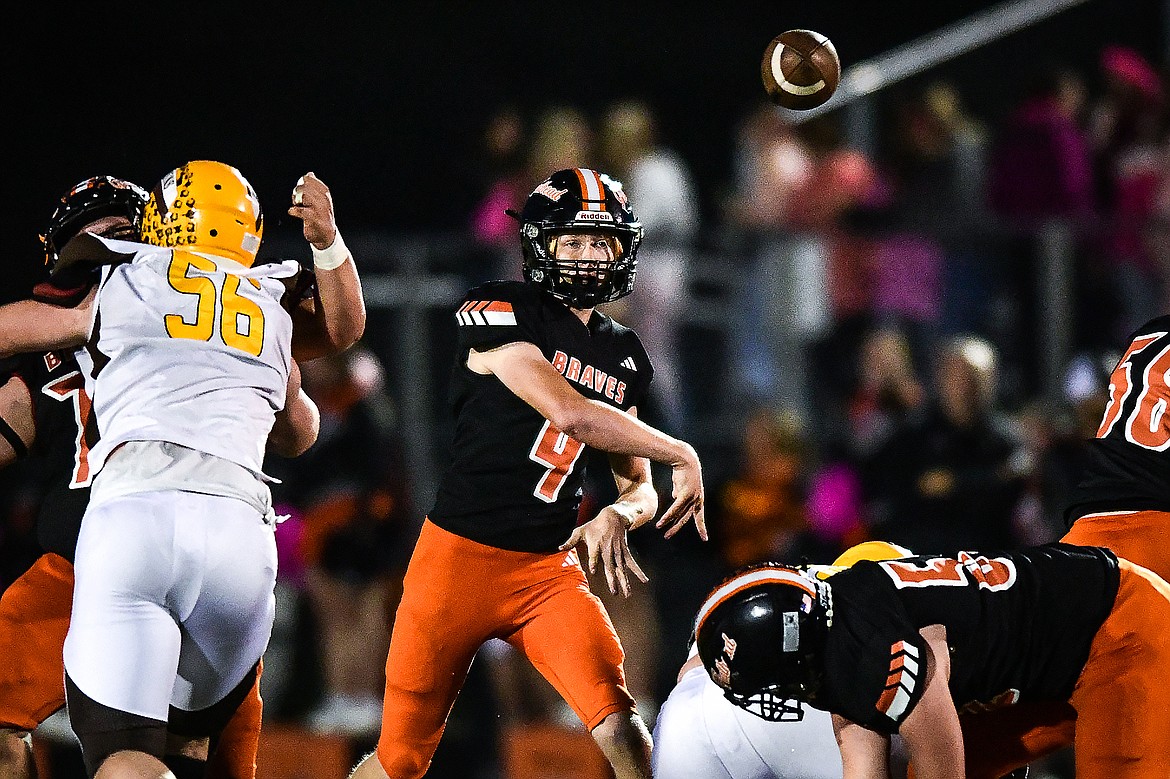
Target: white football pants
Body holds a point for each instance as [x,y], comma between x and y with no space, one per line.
[173,600]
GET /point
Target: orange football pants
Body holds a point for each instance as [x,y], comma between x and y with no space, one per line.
[1116,719]
[235,749]
[34,618]
[1142,537]
[457,594]
[999,741]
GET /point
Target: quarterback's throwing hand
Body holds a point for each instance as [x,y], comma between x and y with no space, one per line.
[687,478]
[313,205]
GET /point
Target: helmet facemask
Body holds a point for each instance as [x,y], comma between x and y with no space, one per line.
[769,705]
[579,200]
[586,282]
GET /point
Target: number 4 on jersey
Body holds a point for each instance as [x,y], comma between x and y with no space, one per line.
[558,453]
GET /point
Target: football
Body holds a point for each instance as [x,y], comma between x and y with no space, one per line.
[800,69]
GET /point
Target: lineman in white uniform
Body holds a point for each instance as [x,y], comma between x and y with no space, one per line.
[176,561]
[699,734]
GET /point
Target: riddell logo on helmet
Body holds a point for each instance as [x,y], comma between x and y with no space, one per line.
[594,216]
[549,191]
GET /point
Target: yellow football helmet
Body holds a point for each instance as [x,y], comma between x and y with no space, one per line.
[866,550]
[871,550]
[205,206]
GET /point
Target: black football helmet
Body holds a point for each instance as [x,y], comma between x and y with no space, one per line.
[88,201]
[578,200]
[761,635]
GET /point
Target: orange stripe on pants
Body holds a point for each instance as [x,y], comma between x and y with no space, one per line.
[34,617]
[457,594]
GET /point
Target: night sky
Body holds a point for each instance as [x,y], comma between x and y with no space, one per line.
[387,101]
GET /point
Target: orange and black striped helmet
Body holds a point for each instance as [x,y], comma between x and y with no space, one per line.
[579,200]
[86,202]
[760,635]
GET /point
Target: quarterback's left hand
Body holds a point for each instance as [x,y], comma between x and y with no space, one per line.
[605,537]
[313,205]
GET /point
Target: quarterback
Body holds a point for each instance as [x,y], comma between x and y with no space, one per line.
[540,376]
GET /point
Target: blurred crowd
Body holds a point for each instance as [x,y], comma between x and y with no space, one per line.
[879,362]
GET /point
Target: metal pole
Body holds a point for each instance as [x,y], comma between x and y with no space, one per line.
[861,125]
[414,373]
[1055,303]
[920,55]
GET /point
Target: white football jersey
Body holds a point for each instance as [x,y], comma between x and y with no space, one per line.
[189,348]
[699,734]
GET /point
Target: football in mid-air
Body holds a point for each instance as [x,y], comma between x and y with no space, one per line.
[800,69]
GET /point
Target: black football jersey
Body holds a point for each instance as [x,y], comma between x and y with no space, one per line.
[1019,627]
[514,481]
[65,431]
[1128,463]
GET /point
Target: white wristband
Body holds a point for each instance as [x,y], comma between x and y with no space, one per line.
[332,257]
[627,512]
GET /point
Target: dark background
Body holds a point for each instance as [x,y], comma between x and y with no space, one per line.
[387,101]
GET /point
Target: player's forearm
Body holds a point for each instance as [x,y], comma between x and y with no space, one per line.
[298,423]
[604,427]
[341,308]
[864,753]
[31,326]
[296,427]
[17,423]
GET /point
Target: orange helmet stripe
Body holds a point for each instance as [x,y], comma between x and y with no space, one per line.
[592,190]
[777,575]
